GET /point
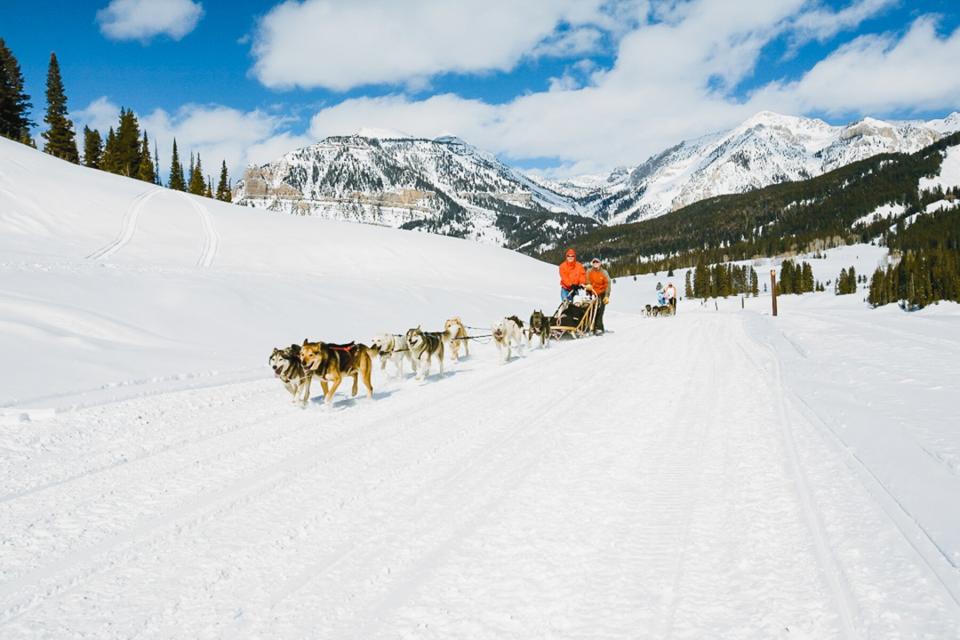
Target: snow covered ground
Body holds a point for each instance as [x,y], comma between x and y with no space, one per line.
[718,474]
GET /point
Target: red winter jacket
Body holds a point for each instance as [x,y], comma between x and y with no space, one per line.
[572,274]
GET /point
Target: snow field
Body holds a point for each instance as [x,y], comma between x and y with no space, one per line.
[716,474]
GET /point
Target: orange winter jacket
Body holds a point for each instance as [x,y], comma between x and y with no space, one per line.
[597,278]
[572,274]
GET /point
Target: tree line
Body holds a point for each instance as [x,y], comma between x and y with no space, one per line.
[125,150]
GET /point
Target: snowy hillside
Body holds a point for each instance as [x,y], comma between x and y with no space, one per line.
[766,149]
[442,185]
[139,286]
[718,474]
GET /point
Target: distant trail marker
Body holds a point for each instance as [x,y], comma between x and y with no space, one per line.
[773,290]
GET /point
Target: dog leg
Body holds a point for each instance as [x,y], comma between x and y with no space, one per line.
[306,391]
[367,383]
[353,393]
[333,390]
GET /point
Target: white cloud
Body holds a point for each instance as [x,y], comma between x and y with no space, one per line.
[821,24]
[144,19]
[340,45]
[216,132]
[673,79]
[878,73]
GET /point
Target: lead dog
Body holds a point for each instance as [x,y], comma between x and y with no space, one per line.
[506,333]
[424,345]
[455,334]
[332,362]
[539,326]
[393,348]
[286,365]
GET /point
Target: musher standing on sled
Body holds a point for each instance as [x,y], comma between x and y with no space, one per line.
[572,276]
[671,295]
[598,281]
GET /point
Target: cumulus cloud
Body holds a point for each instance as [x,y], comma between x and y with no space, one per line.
[144,19]
[877,73]
[675,78]
[215,132]
[341,45]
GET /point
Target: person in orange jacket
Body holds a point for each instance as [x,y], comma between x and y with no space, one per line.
[572,276]
[598,283]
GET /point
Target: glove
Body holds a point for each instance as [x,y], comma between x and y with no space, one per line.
[589,287]
[606,300]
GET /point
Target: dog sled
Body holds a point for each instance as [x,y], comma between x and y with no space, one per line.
[574,318]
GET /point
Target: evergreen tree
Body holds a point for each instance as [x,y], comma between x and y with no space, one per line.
[807,281]
[754,282]
[146,171]
[223,187]
[687,282]
[197,185]
[208,193]
[175,181]
[156,166]
[92,148]
[128,149]
[60,139]
[14,102]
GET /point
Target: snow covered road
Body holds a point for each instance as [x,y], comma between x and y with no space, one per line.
[659,482]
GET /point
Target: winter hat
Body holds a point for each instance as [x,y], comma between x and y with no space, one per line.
[571,252]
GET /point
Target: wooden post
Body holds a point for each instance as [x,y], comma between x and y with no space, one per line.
[773,289]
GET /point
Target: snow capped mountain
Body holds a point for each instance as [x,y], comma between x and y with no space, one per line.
[447,186]
[766,149]
[443,185]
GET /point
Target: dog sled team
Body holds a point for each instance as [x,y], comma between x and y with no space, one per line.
[666,301]
[577,315]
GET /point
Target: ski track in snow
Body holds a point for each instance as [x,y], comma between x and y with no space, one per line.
[629,486]
[210,242]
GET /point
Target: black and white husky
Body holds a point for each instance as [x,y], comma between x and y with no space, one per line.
[393,348]
[540,327]
[424,346]
[287,366]
[506,333]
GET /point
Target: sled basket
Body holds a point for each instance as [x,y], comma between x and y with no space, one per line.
[574,319]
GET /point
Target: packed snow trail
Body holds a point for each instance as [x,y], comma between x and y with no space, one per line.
[638,485]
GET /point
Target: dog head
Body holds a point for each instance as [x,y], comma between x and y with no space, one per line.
[313,355]
[282,360]
[383,343]
[537,320]
[499,331]
[453,324]
[415,337]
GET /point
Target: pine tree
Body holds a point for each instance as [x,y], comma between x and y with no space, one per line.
[156,166]
[60,139]
[14,102]
[208,192]
[128,148]
[108,161]
[754,282]
[146,171]
[807,282]
[196,185]
[92,148]
[175,181]
[687,281]
[223,191]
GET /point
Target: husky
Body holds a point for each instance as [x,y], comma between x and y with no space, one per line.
[286,365]
[455,334]
[332,362]
[393,348]
[539,326]
[424,345]
[649,310]
[506,333]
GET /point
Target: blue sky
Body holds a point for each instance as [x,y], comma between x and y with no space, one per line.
[566,86]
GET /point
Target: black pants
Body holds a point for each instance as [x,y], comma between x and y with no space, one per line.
[598,319]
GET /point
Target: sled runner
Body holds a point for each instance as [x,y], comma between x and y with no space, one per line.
[574,319]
